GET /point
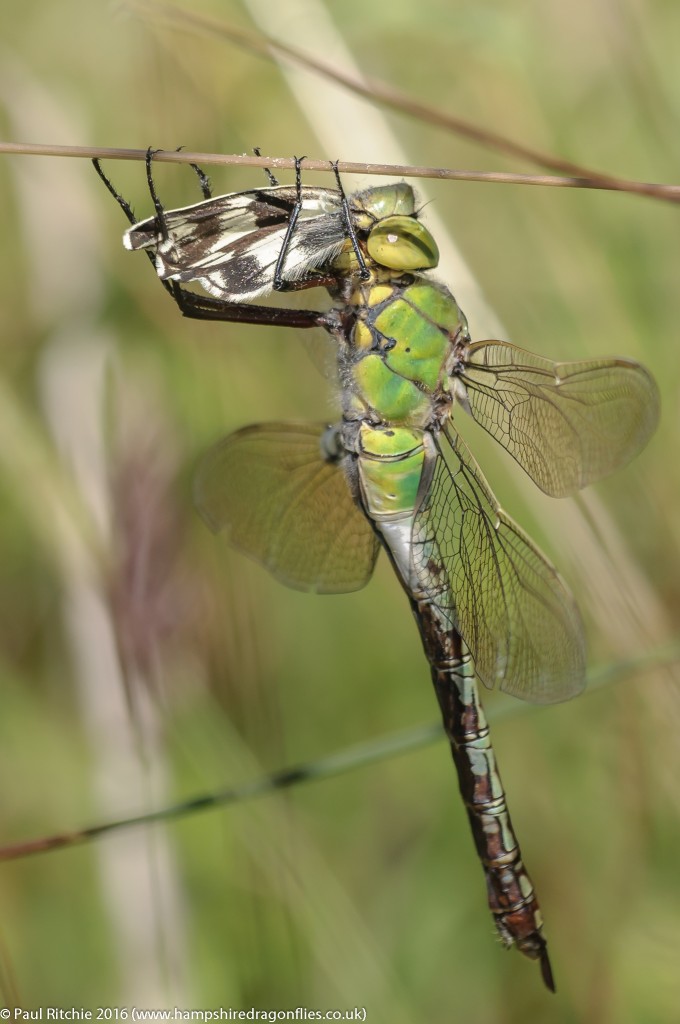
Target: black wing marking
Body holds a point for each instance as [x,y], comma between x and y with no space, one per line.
[230,244]
[245,268]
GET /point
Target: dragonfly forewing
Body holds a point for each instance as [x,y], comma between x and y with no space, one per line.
[566,424]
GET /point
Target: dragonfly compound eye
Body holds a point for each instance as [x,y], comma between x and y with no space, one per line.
[402,243]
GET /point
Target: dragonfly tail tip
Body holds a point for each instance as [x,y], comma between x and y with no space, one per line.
[546,971]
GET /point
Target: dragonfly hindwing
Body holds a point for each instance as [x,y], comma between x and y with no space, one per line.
[285,506]
[506,600]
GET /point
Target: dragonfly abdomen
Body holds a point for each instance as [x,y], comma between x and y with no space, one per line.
[510,892]
[392,463]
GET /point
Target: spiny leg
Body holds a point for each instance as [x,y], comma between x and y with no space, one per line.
[161,223]
[364,272]
[202,307]
[279,283]
[123,203]
[127,210]
[204,180]
[273,181]
[313,279]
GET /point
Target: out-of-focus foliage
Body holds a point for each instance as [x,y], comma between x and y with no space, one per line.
[142,661]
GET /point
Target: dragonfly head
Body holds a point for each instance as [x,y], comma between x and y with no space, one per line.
[395,238]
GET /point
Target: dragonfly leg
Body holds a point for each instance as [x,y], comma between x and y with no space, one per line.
[271,178]
[157,204]
[279,283]
[122,202]
[202,307]
[364,272]
[313,280]
[128,211]
[203,179]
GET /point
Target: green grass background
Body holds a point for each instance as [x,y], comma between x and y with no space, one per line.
[142,661]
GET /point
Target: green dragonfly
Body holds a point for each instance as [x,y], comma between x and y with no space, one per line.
[314,504]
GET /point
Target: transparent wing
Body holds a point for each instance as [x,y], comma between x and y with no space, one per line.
[566,424]
[505,599]
[231,243]
[287,508]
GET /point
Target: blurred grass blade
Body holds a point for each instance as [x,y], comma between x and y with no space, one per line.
[359,756]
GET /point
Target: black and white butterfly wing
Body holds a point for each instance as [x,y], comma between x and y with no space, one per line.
[231,244]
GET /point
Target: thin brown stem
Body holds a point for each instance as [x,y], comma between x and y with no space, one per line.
[380,92]
[670,193]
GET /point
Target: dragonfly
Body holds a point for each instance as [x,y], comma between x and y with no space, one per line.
[315,503]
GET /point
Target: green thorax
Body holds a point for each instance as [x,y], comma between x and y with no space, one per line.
[397,351]
[396,363]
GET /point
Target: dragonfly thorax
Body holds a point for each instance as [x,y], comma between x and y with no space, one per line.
[396,361]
